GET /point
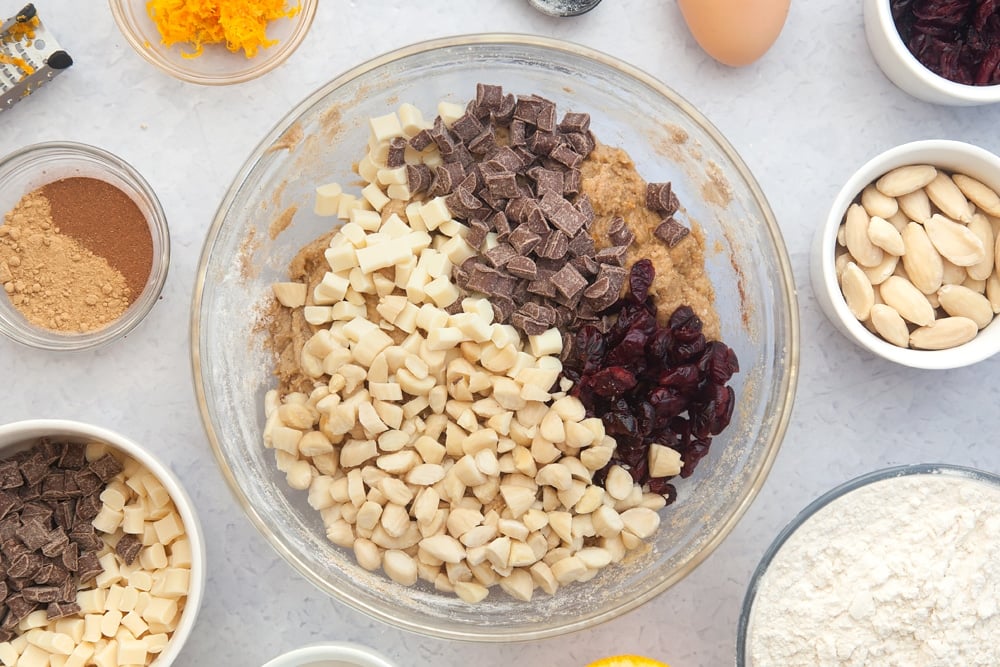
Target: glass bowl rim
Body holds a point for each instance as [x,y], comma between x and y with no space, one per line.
[134,315]
[786,312]
[837,492]
[304,20]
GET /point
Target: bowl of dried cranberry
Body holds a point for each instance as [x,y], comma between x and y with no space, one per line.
[941,51]
[508,564]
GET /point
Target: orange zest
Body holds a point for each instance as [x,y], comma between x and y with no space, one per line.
[239,24]
[627,661]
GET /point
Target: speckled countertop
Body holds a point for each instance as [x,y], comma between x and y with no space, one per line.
[803,118]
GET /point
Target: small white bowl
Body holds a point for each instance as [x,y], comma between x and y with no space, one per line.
[904,70]
[954,156]
[330,654]
[21,435]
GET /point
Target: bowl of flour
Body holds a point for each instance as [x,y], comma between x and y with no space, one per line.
[896,567]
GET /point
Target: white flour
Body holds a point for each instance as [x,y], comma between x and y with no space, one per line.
[902,572]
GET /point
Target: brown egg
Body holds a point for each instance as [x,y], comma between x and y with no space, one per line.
[735,32]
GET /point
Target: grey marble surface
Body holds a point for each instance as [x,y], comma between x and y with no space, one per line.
[815,107]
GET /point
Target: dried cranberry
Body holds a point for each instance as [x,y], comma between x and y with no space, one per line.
[956,39]
[612,381]
[640,278]
[651,383]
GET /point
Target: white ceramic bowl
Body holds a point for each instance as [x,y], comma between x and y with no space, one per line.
[330,654]
[21,435]
[904,70]
[954,156]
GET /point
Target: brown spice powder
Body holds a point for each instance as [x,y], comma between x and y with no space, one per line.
[107,222]
[53,280]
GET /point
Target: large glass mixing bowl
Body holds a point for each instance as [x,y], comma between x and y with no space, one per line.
[266,217]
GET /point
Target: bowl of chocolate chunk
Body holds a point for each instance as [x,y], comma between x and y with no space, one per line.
[103,555]
[84,246]
[494,337]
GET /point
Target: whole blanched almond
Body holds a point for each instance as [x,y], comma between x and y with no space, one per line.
[981,227]
[943,192]
[921,260]
[907,300]
[954,241]
[944,333]
[993,292]
[860,246]
[857,291]
[960,301]
[903,180]
[883,235]
[980,194]
[889,325]
[953,273]
[876,203]
[977,286]
[840,263]
[915,205]
[899,220]
[878,274]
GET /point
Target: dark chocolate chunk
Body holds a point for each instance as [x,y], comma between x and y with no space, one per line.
[421,140]
[74,456]
[598,288]
[71,556]
[671,232]
[543,143]
[522,267]
[56,610]
[8,502]
[562,214]
[20,566]
[583,205]
[566,155]
[89,566]
[582,142]
[18,608]
[87,481]
[526,109]
[613,255]
[505,114]
[34,469]
[54,487]
[524,240]
[87,508]
[503,308]
[569,282]
[67,590]
[40,593]
[545,119]
[129,546]
[467,127]
[105,468]
[555,246]
[660,197]
[397,150]
[418,177]
[33,534]
[58,541]
[85,537]
[574,122]
[543,286]
[502,184]
[572,182]
[477,234]
[546,180]
[489,96]
[587,266]
[10,475]
[484,143]
[462,203]
[581,244]
[500,254]
[619,233]
[499,223]
[518,133]
[527,325]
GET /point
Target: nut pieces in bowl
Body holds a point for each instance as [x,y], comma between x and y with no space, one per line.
[913,256]
[372,475]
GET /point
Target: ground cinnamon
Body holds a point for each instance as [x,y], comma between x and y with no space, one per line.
[107,222]
[74,254]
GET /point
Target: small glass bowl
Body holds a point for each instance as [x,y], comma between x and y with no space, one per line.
[217,65]
[33,166]
[17,436]
[744,629]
